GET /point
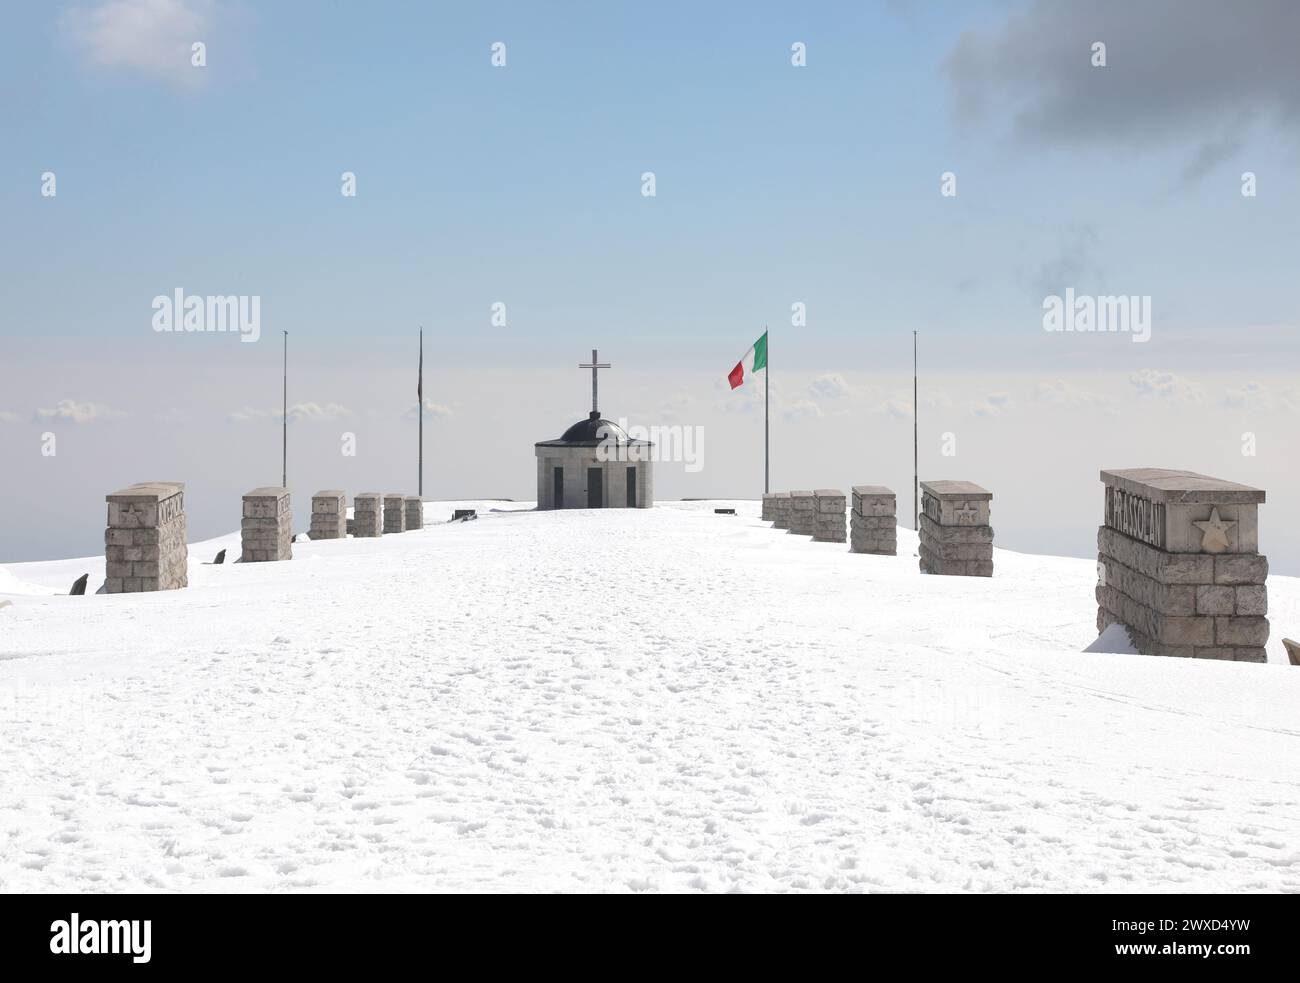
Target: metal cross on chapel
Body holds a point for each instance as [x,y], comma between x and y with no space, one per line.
[594,366]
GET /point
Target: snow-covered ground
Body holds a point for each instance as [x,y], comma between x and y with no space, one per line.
[664,699]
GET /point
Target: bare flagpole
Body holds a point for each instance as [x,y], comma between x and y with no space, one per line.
[419,414]
[284,419]
[916,484]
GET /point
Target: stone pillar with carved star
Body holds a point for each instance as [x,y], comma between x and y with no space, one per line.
[1179,565]
[955,537]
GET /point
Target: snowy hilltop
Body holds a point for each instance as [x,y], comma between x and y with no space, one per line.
[627,700]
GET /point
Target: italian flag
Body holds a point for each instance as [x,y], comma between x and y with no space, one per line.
[755,359]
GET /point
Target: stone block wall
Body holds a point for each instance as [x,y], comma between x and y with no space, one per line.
[414,512]
[367,515]
[266,531]
[769,510]
[828,518]
[780,510]
[394,513]
[803,513]
[873,523]
[955,536]
[616,467]
[329,510]
[145,541]
[1179,565]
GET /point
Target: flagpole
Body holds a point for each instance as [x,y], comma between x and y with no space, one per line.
[419,415]
[284,419]
[916,484]
[767,402]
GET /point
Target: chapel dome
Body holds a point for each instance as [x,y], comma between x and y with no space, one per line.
[595,430]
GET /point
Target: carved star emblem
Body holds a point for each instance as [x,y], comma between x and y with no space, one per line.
[1215,529]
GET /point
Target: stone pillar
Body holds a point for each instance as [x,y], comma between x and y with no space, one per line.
[803,512]
[828,518]
[780,510]
[367,515]
[646,473]
[329,510]
[956,538]
[394,513]
[414,512]
[1179,565]
[266,532]
[769,510]
[873,523]
[144,544]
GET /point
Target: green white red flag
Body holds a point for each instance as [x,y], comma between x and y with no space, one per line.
[755,359]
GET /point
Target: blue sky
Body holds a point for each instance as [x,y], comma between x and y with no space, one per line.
[478,184]
[521,185]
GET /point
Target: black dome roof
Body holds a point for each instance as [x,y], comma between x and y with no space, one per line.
[591,432]
[596,429]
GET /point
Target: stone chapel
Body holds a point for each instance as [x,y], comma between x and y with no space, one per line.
[595,464]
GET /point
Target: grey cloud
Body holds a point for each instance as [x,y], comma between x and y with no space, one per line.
[1072,264]
[1178,71]
[1211,154]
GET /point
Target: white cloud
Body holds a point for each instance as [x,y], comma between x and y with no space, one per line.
[1161,384]
[750,398]
[747,399]
[1062,393]
[1259,397]
[70,411]
[802,409]
[994,404]
[829,386]
[153,37]
[432,411]
[898,407]
[1252,395]
[898,402]
[317,412]
[298,413]
[674,405]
